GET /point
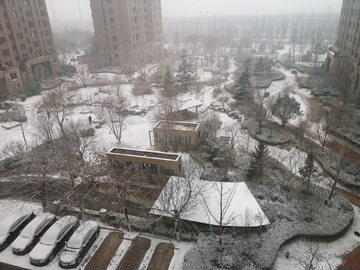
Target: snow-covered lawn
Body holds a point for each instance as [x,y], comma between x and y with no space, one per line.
[329,253]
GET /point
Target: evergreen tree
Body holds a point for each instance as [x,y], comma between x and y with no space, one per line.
[242,88]
[258,161]
[286,108]
[168,82]
[308,171]
[184,76]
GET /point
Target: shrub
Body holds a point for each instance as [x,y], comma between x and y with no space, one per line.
[32,86]
[22,98]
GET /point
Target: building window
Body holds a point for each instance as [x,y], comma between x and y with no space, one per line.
[169,138]
[189,140]
[25,56]
[110,11]
[23,46]
[116,55]
[5,15]
[167,170]
[36,44]
[135,19]
[31,24]
[38,53]
[13,76]
[30,50]
[33,34]
[112,20]
[134,10]
[42,13]
[5,52]
[20,35]
[28,40]
[113,29]
[17,25]
[116,47]
[45,23]
[28,13]
[114,38]
[2,40]
[23,19]
[9,64]
[159,137]
[47,33]
[41,2]
[1,28]
[49,42]
[11,3]
[11,37]
[26,3]
[20,9]
[179,139]
[150,168]
[25,30]
[14,14]
[109,1]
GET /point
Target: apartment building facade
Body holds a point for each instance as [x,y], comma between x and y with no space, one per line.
[26,43]
[127,30]
[346,51]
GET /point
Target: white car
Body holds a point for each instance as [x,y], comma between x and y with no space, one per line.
[32,233]
[79,244]
[53,240]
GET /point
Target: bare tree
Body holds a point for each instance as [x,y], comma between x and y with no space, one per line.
[57,105]
[180,195]
[83,76]
[116,115]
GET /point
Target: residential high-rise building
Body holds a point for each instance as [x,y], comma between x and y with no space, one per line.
[26,43]
[127,30]
[345,54]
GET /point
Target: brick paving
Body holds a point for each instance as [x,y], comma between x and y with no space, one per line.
[135,254]
[105,252]
[162,257]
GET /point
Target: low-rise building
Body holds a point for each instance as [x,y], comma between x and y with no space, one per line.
[176,136]
[150,163]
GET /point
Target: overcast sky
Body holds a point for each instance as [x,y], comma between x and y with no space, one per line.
[69,9]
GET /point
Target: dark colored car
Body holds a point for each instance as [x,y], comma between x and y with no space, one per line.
[53,240]
[79,244]
[32,233]
[11,227]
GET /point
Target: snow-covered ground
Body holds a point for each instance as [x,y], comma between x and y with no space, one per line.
[8,207]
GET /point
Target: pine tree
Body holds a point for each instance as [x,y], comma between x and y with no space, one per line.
[258,161]
[308,171]
[242,88]
[184,76]
[286,108]
[168,82]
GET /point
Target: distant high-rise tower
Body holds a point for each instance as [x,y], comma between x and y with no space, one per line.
[127,30]
[26,43]
[346,52]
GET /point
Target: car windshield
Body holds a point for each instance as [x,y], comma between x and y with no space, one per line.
[28,232]
[49,239]
[75,242]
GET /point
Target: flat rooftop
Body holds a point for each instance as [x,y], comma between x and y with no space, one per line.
[178,125]
[141,153]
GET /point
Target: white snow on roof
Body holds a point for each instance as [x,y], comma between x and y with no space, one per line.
[240,208]
[191,104]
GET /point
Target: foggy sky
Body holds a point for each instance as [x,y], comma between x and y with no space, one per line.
[68,9]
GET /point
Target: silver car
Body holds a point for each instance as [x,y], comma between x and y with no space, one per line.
[79,244]
[53,240]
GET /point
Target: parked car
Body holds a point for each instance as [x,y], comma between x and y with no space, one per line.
[32,233]
[79,244]
[53,240]
[10,228]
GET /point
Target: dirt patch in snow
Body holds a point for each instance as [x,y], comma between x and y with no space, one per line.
[162,257]
[106,251]
[135,254]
